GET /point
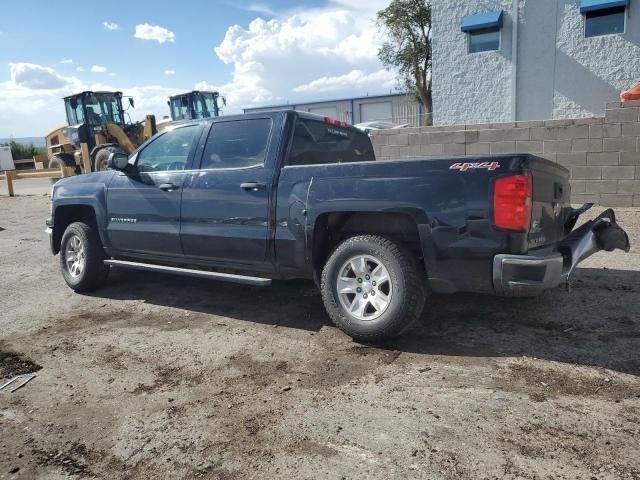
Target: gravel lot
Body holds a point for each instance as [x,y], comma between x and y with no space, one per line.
[166,377]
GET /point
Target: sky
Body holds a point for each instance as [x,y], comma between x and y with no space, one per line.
[254,53]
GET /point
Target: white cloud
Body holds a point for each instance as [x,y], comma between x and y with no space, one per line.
[30,100]
[98,69]
[154,32]
[111,74]
[261,8]
[169,72]
[79,69]
[305,54]
[66,60]
[381,79]
[111,26]
[31,105]
[37,77]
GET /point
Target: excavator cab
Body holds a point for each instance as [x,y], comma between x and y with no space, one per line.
[96,127]
[88,110]
[194,105]
[95,108]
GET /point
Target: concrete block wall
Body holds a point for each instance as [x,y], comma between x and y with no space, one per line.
[602,153]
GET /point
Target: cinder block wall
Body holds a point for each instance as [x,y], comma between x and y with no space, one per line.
[602,153]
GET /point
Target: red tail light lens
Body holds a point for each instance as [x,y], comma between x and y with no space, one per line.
[335,123]
[512,203]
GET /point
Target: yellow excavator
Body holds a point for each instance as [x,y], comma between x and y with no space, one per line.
[95,128]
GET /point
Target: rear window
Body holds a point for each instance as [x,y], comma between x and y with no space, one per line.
[317,142]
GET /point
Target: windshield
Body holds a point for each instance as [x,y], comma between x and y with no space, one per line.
[103,108]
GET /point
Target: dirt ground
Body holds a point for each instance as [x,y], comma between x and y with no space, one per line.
[166,377]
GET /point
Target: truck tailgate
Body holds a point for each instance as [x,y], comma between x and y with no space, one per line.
[551,207]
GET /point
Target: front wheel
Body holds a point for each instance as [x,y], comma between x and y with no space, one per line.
[373,288]
[82,258]
[101,159]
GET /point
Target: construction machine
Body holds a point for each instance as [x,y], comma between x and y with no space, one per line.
[195,104]
[95,128]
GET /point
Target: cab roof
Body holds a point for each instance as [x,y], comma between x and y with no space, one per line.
[98,92]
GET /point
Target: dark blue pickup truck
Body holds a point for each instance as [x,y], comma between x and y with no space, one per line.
[287,194]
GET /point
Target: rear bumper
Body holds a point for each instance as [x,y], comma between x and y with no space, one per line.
[547,268]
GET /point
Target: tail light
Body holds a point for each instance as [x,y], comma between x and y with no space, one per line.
[512,202]
[335,123]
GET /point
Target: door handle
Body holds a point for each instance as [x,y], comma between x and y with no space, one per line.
[168,187]
[253,186]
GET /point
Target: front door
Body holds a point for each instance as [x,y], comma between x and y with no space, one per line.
[225,204]
[143,206]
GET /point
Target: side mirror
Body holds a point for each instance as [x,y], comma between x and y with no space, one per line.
[118,161]
[131,103]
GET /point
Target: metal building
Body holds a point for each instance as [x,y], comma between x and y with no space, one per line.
[560,59]
[396,108]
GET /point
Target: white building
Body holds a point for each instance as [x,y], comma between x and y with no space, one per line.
[396,108]
[560,59]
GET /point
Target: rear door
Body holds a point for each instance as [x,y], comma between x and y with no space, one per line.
[143,206]
[226,202]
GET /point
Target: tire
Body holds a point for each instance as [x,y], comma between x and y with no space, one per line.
[62,160]
[88,271]
[101,158]
[399,301]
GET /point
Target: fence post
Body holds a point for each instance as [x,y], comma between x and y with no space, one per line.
[9,175]
[86,160]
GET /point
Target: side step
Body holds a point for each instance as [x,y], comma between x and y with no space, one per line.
[188,272]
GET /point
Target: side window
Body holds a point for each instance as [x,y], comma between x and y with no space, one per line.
[317,143]
[237,144]
[484,40]
[167,152]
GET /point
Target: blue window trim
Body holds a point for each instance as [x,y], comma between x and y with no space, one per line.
[595,5]
[482,21]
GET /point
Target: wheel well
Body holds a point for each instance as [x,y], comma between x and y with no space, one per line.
[65,215]
[332,228]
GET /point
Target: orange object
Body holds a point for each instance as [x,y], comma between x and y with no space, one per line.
[632,94]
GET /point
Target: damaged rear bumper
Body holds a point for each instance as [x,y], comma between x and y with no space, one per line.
[547,268]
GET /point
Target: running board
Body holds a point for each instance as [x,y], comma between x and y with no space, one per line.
[188,272]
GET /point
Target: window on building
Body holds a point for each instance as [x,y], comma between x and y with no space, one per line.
[483,31]
[484,40]
[604,22]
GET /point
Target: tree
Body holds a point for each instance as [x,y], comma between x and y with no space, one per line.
[407,24]
[20,151]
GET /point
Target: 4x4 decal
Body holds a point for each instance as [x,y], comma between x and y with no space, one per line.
[463,167]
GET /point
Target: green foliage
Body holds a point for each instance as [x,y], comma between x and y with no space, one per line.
[20,151]
[408,26]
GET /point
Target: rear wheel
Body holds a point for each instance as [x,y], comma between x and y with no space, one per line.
[82,258]
[373,288]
